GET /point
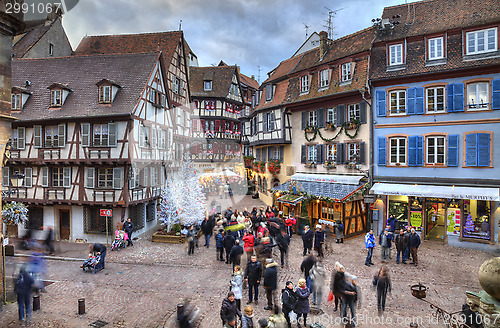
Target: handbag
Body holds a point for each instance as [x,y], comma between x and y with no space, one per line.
[330,296]
[293,316]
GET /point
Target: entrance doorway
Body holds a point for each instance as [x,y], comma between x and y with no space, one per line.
[435,215]
[64,226]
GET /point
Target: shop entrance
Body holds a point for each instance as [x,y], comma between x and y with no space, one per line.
[435,214]
[64,224]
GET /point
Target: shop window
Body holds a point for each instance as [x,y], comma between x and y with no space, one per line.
[35,218]
[137,214]
[435,212]
[476,219]
[453,216]
[94,223]
[398,206]
[415,212]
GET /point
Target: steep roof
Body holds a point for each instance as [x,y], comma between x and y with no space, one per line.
[432,16]
[221,77]
[249,81]
[284,68]
[81,73]
[278,99]
[24,42]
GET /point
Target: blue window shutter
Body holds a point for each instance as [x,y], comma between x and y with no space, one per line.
[458,97]
[453,150]
[304,120]
[449,100]
[412,151]
[382,151]
[321,117]
[471,149]
[410,101]
[420,151]
[495,94]
[381,104]
[483,149]
[303,155]
[419,101]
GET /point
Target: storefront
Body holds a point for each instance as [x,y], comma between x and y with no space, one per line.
[325,199]
[441,212]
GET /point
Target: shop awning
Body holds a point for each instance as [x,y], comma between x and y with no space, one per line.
[452,192]
[291,199]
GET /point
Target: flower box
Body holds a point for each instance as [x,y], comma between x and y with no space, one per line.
[329,165]
[351,126]
[330,126]
[310,164]
[309,129]
[170,237]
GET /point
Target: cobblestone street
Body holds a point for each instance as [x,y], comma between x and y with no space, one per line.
[141,285]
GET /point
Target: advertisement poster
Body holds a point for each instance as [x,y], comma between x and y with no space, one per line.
[453,216]
[416,219]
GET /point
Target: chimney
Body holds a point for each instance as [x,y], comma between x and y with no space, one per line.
[253,77]
[323,43]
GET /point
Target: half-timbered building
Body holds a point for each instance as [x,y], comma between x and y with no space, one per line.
[93,132]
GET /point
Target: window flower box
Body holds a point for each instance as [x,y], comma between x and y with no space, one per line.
[351,126]
[329,165]
[310,164]
[330,126]
[274,166]
[310,129]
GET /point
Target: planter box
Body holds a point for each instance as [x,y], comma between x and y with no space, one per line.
[172,239]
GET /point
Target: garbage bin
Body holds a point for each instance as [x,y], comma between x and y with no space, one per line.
[36,302]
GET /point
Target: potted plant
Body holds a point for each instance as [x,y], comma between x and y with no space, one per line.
[351,125]
[330,126]
[248,161]
[329,164]
[310,128]
[311,164]
[14,213]
[274,166]
[262,166]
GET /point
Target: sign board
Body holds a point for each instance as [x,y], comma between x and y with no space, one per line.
[5,241]
[369,199]
[106,212]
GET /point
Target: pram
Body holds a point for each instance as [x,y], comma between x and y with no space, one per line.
[120,240]
[91,264]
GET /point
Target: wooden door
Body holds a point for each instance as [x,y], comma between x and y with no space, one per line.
[64,224]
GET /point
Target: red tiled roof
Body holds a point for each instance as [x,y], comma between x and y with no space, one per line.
[278,99]
[29,39]
[249,81]
[221,77]
[284,68]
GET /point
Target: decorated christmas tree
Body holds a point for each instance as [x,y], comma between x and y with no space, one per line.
[168,211]
[469,225]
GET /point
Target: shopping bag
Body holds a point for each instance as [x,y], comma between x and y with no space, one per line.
[330,296]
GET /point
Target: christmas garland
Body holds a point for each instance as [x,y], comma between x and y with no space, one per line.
[315,130]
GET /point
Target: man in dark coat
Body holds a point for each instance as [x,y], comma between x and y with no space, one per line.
[228,244]
[270,283]
[235,254]
[22,287]
[101,249]
[391,223]
[413,243]
[229,310]
[401,242]
[283,241]
[219,245]
[349,297]
[307,240]
[128,227]
[289,300]
[207,226]
[253,274]
[319,240]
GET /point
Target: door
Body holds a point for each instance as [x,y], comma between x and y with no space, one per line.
[64,226]
[435,215]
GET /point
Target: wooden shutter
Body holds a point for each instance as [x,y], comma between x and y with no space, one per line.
[90,175]
[419,101]
[28,177]
[362,112]
[340,153]
[361,153]
[320,153]
[410,101]
[471,149]
[112,138]
[61,135]
[455,97]
[21,138]
[381,103]
[5,177]
[37,131]
[483,149]
[303,155]
[495,94]
[320,112]
[85,134]
[217,125]
[452,151]
[153,136]
[340,115]
[118,177]
[304,120]
[382,151]
[415,151]
[66,177]
[45,176]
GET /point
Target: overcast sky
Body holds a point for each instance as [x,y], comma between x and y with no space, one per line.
[249,33]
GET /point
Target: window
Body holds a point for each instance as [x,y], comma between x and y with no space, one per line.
[346,72]
[397,151]
[56,98]
[179,61]
[18,138]
[175,84]
[304,84]
[435,100]
[54,136]
[436,150]
[207,85]
[105,94]
[94,223]
[105,178]
[396,54]
[144,136]
[15,101]
[353,153]
[234,89]
[35,218]
[481,41]
[269,92]
[398,102]
[331,152]
[61,177]
[353,113]
[324,79]
[435,49]
[477,96]
[312,154]
[100,135]
[90,176]
[5,177]
[330,115]
[312,118]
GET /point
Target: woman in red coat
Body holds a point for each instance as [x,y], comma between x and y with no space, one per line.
[248,238]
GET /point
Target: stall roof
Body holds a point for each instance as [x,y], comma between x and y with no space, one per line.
[291,199]
[337,191]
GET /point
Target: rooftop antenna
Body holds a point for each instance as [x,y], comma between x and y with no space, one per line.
[180,25]
[329,21]
[307,29]
[258,76]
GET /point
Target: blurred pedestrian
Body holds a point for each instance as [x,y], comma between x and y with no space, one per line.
[307,240]
[383,284]
[22,287]
[318,277]
[277,319]
[349,298]
[306,267]
[235,254]
[337,276]
[48,241]
[339,231]
[219,245]
[319,240]
[228,244]
[191,240]
[207,227]
[302,307]
[283,240]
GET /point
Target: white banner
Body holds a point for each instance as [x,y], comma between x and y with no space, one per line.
[344,179]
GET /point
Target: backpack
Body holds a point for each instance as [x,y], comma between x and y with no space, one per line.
[19,283]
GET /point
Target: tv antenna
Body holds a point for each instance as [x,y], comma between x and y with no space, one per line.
[329,21]
[307,29]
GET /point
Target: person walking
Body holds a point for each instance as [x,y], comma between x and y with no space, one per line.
[401,242]
[248,239]
[128,227]
[237,286]
[319,240]
[302,307]
[307,240]
[384,241]
[289,300]
[207,227]
[23,287]
[337,276]
[349,297]
[49,238]
[318,277]
[191,240]
[270,283]
[289,223]
[369,244]
[253,274]
[229,310]
[235,254]
[101,250]
[219,245]
[306,267]
[228,244]
[247,318]
[283,241]
[413,244]
[383,284]
[339,231]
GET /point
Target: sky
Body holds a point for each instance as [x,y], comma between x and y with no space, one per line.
[253,34]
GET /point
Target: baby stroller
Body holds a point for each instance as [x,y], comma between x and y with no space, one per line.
[120,240]
[91,264]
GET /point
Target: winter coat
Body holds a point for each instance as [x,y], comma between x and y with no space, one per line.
[337,277]
[307,265]
[289,299]
[401,242]
[271,276]
[247,322]
[248,239]
[191,236]
[391,222]
[219,240]
[237,286]
[290,221]
[228,241]
[128,227]
[389,239]
[23,284]
[319,238]
[383,284]
[99,248]
[339,231]
[318,276]
[283,241]
[266,251]
[369,240]
[253,272]
[235,254]
[345,286]
[207,226]
[307,239]
[303,300]
[229,308]
[413,240]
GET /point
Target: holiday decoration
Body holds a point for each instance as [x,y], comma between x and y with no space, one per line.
[469,225]
[168,212]
[345,126]
[248,161]
[14,213]
[274,166]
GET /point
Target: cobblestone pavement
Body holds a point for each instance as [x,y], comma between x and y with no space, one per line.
[141,286]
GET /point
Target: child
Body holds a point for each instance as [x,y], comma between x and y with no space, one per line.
[91,261]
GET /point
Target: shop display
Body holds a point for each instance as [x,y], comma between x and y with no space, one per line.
[477,219]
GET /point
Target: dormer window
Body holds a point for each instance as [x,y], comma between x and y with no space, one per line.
[346,72]
[324,78]
[105,94]
[16,101]
[396,54]
[207,85]
[269,92]
[56,98]
[304,84]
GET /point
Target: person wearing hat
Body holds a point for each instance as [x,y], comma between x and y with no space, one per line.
[413,243]
[263,323]
[235,254]
[384,241]
[229,310]
[219,245]
[307,240]
[319,240]
[270,282]
[247,318]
